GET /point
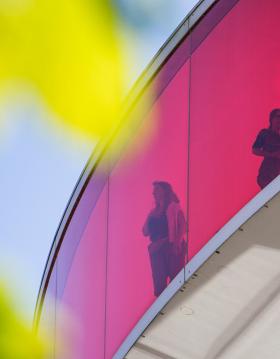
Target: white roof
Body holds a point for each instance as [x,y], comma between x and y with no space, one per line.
[231,307]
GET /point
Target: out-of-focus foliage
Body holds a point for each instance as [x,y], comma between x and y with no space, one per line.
[66,52]
[17,341]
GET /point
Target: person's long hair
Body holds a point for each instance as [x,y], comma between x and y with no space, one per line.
[169,195]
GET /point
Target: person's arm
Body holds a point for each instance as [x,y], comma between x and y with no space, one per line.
[177,226]
[172,222]
[145,229]
[262,153]
[182,224]
[258,147]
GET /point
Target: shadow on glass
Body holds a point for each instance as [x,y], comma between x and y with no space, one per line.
[267,145]
[166,227]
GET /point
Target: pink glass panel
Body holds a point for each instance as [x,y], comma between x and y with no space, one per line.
[82,277]
[235,83]
[130,286]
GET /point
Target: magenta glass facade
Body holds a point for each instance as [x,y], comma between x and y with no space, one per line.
[130,286]
[235,84]
[86,274]
[212,98]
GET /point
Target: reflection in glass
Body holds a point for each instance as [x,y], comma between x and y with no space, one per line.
[166,227]
[267,145]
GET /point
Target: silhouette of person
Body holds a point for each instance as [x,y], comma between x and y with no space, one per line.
[267,145]
[166,227]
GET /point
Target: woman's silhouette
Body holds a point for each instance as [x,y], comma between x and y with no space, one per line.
[267,145]
[166,227]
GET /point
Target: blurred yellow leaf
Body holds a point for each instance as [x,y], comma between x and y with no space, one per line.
[66,51]
[17,341]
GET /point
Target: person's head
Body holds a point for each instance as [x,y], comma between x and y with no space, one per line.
[163,193]
[274,120]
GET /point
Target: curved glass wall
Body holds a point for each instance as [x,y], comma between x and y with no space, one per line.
[140,260]
[234,87]
[211,150]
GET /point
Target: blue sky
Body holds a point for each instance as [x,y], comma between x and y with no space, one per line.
[40,165]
